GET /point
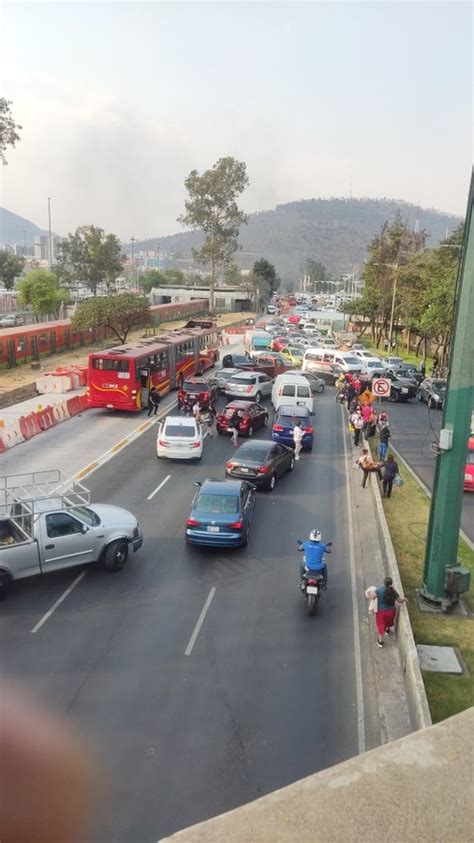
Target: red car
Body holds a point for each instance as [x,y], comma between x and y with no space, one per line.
[294,319]
[252,416]
[469,470]
[279,343]
[203,388]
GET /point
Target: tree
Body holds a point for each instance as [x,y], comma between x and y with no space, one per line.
[91,256]
[317,273]
[11,266]
[159,277]
[257,288]
[267,271]
[212,207]
[119,313]
[8,129]
[40,290]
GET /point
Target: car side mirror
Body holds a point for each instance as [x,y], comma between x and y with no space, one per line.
[197,483]
[84,529]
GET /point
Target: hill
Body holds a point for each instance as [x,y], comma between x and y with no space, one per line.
[13,228]
[335,232]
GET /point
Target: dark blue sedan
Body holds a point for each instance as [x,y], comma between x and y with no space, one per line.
[285,419]
[221,513]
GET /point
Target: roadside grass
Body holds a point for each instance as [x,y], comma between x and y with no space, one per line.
[407,513]
[408,356]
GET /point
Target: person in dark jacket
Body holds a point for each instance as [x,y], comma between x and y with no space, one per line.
[153,401]
[390,471]
[384,435]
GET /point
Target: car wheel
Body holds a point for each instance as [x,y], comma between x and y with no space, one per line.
[4,584]
[320,388]
[292,464]
[265,420]
[250,432]
[271,483]
[116,555]
[258,397]
[431,404]
[394,396]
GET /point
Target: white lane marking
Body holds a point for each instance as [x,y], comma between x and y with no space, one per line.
[200,622]
[160,486]
[48,614]
[355,607]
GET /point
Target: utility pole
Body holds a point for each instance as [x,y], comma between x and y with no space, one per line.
[446,501]
[132,240]
[50,242]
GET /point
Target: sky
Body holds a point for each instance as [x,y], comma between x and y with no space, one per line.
[120,101]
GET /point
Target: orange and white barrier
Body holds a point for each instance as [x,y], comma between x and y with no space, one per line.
[12,435]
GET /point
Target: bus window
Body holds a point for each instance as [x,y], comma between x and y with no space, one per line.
[110,365]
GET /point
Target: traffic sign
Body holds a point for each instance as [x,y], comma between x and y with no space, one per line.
[381,387]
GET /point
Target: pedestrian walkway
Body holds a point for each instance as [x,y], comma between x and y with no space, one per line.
[12,414]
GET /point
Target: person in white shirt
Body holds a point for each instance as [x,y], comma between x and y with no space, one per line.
[197,411]
[357,423]
[298,440]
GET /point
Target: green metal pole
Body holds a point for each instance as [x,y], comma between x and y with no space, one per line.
[447,497]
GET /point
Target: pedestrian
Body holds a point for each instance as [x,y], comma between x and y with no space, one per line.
[211,419]
[356,384]
[368,466]
[340,388]
[423,368]
[390,471]
[385,344]
[297,438]
[387,599]
[384,436]
[374,417]
[394,345]
[153,401]
[234,423]
[435,364]
[366,415]
[197,411]
[357,423]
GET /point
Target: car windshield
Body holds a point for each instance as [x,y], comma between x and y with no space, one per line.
[439,386]
[182,431]
[217,504]
[189,386]
[229,412]
[296,352]
[242,380]
[259,455]
[86,515]
[351,361]
[470,458]
[293,417]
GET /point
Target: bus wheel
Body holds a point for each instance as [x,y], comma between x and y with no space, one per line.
[116,555]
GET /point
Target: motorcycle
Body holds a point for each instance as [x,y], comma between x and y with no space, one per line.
[311,586]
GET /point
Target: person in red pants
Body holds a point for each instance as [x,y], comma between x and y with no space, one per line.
[387,599]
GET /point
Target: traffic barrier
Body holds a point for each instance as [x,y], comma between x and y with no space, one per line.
[29,425]
[84,402]
[60,411]
[12,435]
[46,418]
[74,405]
[54,384]
[2,446]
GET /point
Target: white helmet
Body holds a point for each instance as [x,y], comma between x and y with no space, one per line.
[315,536]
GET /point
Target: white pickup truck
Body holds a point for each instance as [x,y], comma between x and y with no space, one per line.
[47,523]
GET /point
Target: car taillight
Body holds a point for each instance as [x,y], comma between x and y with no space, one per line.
[195,445]
[278,428]
[249,388]
[191,522]
[230,464]
[205,396]
[244,422]
[163,442]
[237,525]
[263,469]
[312,582]
[308,430]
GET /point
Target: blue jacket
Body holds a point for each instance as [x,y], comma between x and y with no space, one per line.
[314,555]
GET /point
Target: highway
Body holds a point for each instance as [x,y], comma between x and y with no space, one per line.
[190,725]
[414,427]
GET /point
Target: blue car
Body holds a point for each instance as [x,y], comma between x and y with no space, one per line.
[285,419]
[221,513]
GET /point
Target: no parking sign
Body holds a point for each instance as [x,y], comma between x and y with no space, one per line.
[381,387]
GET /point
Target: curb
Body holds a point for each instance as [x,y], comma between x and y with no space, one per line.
[423,486]
[415,689]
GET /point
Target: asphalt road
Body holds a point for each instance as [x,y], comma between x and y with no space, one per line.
[413,428]
[267,695]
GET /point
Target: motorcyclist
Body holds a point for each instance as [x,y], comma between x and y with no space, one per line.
[313,560]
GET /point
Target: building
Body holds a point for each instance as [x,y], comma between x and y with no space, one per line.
[231,298]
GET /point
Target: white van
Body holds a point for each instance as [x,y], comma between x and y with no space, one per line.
[292,389]
[317,359]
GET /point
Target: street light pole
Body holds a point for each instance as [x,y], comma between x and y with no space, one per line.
[132,240]
[50,242]
[446,500]
[393,266]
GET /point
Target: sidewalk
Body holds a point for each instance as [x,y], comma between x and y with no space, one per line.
[24,408]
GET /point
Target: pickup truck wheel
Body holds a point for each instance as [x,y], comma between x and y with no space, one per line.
[116,555]
[4,584]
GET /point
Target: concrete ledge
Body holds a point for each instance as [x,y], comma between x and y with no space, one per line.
[415,689]
[418,788]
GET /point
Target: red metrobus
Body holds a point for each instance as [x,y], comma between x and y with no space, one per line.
[120,378]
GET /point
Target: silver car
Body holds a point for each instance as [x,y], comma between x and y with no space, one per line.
[223,375]
[252,386]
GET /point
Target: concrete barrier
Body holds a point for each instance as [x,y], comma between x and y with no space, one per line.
[12,435]
[415,689]
[46,418]
[29,425]
[61,411]
[74,405]
[2,446]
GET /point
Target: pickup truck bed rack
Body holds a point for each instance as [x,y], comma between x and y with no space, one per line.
[25,496]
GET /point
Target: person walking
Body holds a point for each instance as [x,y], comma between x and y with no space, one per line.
[423,368]
[366,416]
[387,600]
[298,439]
[153,401]
[211,419]
[340,385]
[197,411]
[390,471]
[357,423]
[384,436]
[373,422]
[234,423]
[368,466]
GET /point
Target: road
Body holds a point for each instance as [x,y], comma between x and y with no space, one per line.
[413,428]
[266,696]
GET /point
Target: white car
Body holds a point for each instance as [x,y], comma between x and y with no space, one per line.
[363,354]
[372,366]
[223,375]
[179,438]
[252,386]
